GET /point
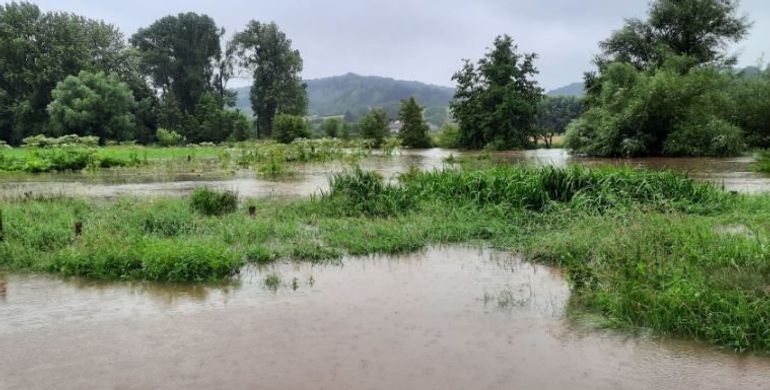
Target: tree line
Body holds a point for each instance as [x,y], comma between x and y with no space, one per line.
[662,86]
[62,73]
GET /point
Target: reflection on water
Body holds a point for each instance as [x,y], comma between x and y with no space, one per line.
[733,173]
[3,287]
[450,318]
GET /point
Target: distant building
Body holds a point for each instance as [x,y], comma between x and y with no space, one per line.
[395,127]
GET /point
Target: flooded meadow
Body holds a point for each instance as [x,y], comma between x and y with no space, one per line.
[450,317]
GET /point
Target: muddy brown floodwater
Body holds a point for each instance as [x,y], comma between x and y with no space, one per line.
[446,318]
[735,174]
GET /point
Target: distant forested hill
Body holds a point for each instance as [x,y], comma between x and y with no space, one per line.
[356,94]
[574,89]
[338,95]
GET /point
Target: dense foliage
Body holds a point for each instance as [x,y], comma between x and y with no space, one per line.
[37,51]
[496,101]
[662,88]
[92,104]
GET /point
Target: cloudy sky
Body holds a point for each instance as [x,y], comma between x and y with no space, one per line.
[422,40]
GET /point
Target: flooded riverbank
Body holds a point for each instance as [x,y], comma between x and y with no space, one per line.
[735,174]
[451,318]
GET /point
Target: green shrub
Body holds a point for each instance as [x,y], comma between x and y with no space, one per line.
[287,128]
[449,137]
[168,137]
[212,203]
[715,138]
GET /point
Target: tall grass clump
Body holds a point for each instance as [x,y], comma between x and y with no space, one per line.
[212,203]
[359,192]
[667,272]
[538,188]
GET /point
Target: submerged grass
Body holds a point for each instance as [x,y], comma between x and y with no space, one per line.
[267,157]
[641,249]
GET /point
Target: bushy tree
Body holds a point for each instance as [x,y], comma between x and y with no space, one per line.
[178,53]
[92,104]
[287,128]
[265,50]
[751,107]
[374,126]
[414,133]
[495,102]
[640,113]
[37,51]
[661,86]
[331,127]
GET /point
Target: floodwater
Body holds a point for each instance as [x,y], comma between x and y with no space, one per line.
[734,174]
[447,318]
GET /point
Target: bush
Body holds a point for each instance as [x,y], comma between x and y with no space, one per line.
[211,203]
[287,128]
[636,112]
[168,137]
[715,138]
[449,137]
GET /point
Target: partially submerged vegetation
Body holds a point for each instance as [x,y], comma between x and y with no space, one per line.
[641,249]
[44,154]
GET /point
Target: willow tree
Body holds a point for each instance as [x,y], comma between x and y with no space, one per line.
[265,51]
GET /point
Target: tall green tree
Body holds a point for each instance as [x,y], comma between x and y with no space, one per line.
[38,50]
[178,53]
[94,104]
[266,52]
[414,133]
[374,126]
[496,100]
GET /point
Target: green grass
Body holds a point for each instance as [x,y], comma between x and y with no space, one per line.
[269,158]
[763,161]
[640,249]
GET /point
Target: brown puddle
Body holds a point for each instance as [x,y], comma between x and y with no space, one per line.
[735,174]
[447,318]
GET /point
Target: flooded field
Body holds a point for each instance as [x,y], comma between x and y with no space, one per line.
[735,174]
[450,318]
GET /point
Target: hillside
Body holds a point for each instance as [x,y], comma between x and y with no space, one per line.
[574,89]
[356,94]
[338,95]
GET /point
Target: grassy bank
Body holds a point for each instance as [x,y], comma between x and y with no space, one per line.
[641,249]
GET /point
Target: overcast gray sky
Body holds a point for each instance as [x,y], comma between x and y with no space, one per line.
[422,40]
